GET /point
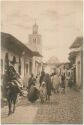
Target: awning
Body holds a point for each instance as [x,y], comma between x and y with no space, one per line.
[74,53]
[77,43]
[35,53]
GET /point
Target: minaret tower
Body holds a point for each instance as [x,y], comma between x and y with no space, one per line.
[35,39]
[35,28]
[36,46]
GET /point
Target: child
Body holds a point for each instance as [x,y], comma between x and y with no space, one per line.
[43,92]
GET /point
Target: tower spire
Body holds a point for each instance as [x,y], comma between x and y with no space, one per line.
[35,28]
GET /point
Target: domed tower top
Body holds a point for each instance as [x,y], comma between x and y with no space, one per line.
[35,28]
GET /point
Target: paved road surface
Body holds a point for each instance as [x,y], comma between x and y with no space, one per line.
[62,109]
[23,114]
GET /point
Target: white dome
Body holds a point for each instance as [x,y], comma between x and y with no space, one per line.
[53,60]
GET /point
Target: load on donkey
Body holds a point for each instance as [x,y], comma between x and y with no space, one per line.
[12,85]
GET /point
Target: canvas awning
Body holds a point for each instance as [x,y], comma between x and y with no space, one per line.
[35,53]
[77,43]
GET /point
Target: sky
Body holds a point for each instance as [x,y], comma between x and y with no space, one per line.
[60,22]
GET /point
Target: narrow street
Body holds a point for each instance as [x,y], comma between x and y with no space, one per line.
[65,108]
[41,51]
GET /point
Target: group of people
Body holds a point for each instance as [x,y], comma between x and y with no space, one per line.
[47,82]
[62,80]
[44,83]
[54,82]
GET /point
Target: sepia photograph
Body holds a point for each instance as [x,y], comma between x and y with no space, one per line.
[41,62]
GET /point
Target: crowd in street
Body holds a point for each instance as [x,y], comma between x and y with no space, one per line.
[50,83]
[38,87]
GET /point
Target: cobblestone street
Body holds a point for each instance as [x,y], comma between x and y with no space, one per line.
[65,108]
[41,62]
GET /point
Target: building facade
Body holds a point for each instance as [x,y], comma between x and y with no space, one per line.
[76,59]
[13,49]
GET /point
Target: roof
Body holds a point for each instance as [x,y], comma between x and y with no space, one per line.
[10,42]
[77,43]
[73,53]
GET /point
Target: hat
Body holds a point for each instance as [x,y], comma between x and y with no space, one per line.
[13,60]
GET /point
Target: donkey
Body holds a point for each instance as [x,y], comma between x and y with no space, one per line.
[12,93]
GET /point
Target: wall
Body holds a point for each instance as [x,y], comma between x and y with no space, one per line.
[3,51]
[78,69]
[26,68]
[36,65]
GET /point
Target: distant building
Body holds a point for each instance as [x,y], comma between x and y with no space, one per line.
[52,64]
[35,40]
[76,59]
[36,46]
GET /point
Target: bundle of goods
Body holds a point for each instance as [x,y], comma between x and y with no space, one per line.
[33,94]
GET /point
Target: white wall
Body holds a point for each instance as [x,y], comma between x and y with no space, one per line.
[3,51]
[78,69]
[36,67]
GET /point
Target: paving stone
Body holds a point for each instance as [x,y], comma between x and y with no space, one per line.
[63,108]
[66,110]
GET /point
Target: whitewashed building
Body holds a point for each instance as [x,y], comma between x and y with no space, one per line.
[76,59]
[12,48]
